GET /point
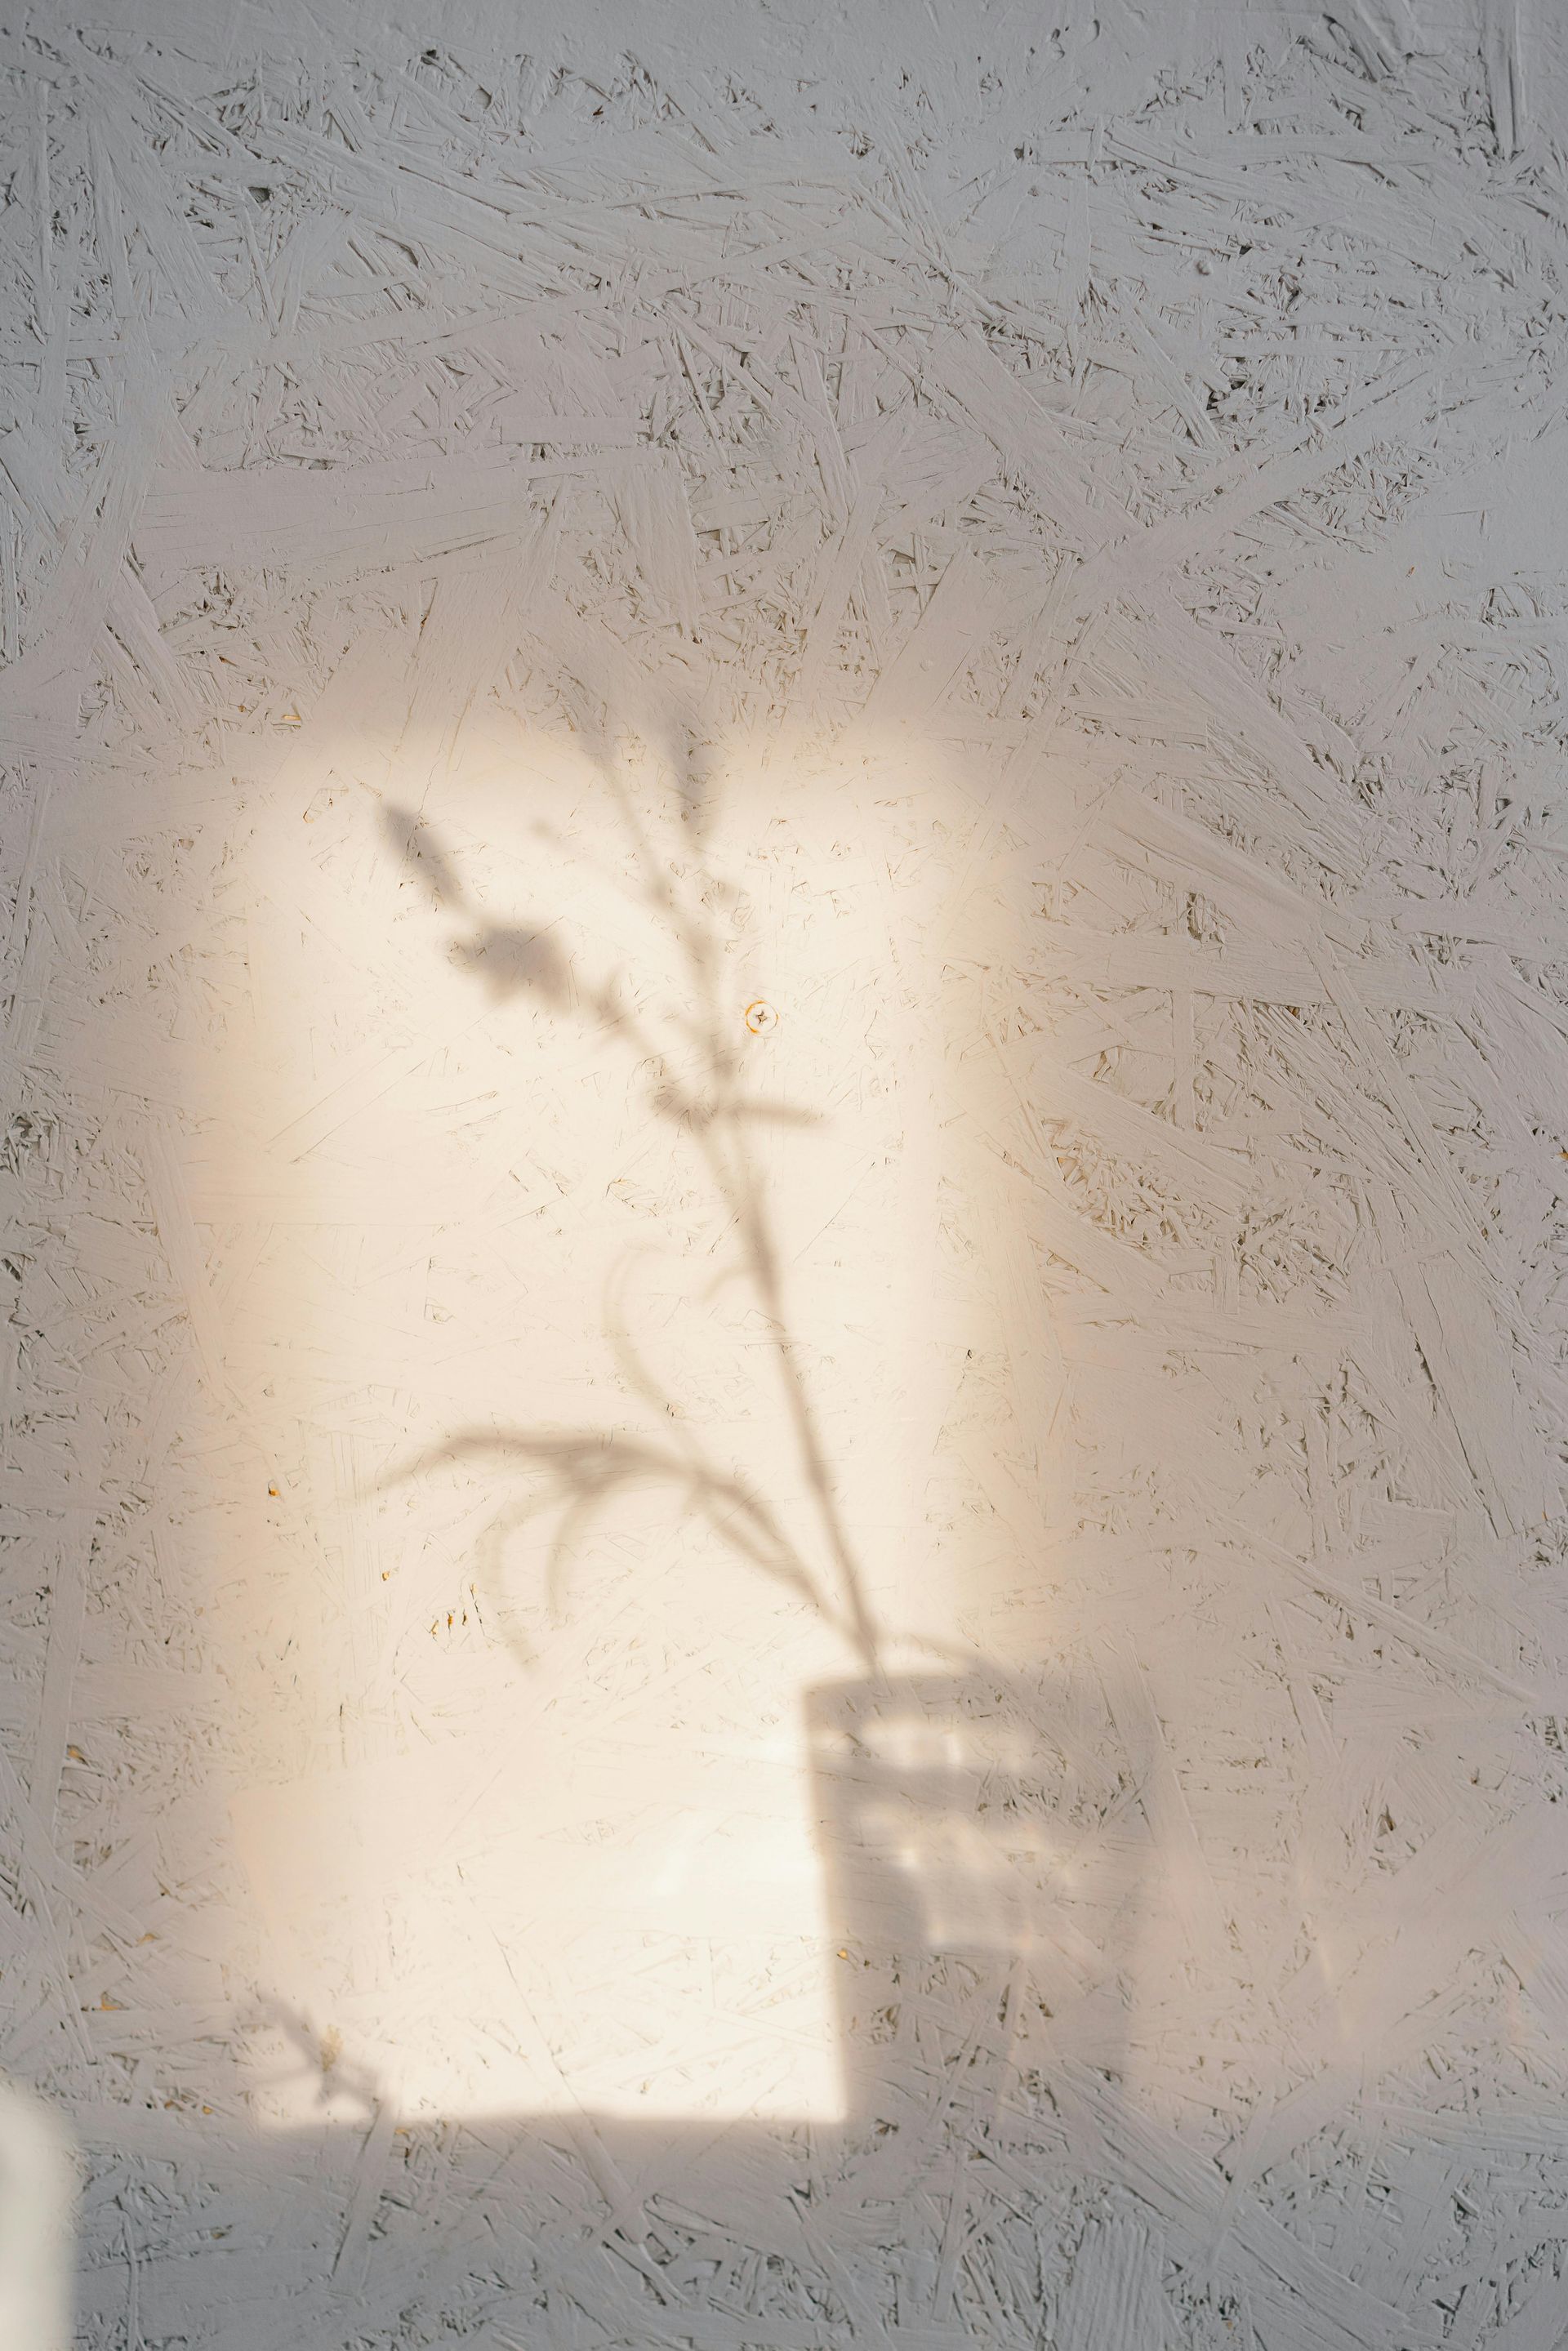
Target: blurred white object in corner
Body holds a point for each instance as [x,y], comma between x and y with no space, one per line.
[37,2188]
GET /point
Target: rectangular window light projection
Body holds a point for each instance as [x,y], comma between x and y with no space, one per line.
[604,1333]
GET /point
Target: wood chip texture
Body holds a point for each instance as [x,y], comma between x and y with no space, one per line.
[784,1027]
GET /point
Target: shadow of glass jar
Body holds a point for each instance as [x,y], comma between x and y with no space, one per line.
[976,1888]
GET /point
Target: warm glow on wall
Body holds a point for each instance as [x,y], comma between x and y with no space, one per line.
[540,1824]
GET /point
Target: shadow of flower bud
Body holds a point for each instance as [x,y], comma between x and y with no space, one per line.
[510,962]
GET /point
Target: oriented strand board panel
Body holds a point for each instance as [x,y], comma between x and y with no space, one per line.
[785,1047]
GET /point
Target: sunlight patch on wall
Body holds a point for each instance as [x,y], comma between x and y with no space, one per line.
[605,1353]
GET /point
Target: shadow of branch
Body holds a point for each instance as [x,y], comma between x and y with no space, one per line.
[698,1087]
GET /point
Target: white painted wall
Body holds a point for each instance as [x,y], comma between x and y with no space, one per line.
[785,1044]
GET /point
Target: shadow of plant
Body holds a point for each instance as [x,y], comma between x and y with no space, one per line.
[696,1078]
[964,1815]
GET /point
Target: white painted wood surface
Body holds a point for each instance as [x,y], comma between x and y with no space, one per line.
[784,1032]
